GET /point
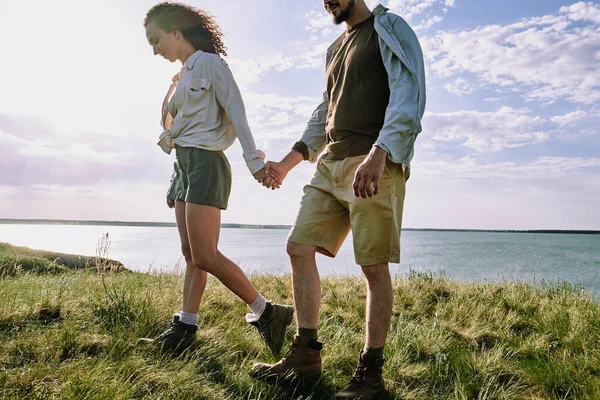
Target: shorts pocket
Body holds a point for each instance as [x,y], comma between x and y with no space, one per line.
[197,97]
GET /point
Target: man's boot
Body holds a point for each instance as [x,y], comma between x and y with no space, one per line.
[303,360]
[367,382]
[273,329]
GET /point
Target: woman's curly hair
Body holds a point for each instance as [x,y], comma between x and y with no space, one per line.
[196,25]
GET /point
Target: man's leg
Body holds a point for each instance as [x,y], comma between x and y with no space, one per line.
[306,285]
[322,225]
[304,358]
[376,223]
[380,300]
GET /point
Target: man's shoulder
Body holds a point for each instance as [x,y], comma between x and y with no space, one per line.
[336,42]
[334,46]
[395,20]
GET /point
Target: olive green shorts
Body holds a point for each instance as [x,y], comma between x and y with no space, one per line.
[201,177]
[175,191]
[329,210]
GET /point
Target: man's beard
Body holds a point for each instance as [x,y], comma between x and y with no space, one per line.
[344,14]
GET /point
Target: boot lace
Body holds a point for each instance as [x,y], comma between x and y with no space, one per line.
[291,353]
[264,332]
[359,374]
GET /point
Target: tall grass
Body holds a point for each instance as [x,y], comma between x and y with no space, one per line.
[72,335]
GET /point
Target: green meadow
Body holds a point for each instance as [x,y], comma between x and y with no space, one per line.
[69,326]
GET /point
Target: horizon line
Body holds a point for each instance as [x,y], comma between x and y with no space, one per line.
[46,221]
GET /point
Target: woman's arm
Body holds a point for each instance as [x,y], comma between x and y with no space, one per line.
[229,97]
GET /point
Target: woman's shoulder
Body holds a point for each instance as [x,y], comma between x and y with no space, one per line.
[207,63]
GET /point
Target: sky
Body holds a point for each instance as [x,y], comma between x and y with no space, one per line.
[511,132]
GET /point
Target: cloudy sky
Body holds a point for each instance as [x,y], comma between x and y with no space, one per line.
[511,136]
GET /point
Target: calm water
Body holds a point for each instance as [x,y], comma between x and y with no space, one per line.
[466,256]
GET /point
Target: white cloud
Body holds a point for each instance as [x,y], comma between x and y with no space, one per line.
[540,168]
[318,22]
[547,58]
[249,71]
[409,9]
[582,12]
[569,118]
[275,117]
[487,131]
[428,23]
[459,87]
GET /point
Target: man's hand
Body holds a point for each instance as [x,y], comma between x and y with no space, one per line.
[170,203]
[366,178]
[276,173]
[273,178]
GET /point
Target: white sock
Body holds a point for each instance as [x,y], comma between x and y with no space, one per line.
[258,307]
[188,318]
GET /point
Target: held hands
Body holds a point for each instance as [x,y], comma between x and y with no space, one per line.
[276,173]
[170,203]
[269,178]
[366,178]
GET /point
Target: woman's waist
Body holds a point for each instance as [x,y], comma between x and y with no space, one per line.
[205,140]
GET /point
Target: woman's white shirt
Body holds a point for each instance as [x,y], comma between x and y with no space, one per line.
[208,109]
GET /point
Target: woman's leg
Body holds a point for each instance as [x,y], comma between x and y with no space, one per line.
[195,278]
[203,229]
[181,332]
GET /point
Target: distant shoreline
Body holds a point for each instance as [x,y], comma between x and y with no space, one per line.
[9,221]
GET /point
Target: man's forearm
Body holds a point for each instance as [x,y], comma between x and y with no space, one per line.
[292,159]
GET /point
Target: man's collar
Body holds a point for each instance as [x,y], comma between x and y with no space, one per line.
[380,10]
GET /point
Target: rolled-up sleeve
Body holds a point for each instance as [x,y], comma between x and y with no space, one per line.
[397,137]
[314,135]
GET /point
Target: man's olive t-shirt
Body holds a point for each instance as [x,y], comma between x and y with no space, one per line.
[358,92]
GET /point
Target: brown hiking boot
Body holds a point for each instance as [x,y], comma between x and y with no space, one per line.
[367,382]
[303,360]
[273,329]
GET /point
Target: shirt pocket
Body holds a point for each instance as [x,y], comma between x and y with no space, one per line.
[197,97]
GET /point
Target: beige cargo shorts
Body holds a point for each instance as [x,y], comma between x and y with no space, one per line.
[329,210]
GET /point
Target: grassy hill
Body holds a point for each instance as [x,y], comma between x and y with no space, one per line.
[15,259]
[71,335]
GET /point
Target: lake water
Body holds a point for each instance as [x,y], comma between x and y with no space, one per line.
[464,256]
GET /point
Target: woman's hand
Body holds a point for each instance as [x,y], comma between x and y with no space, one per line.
[276,173]
[270,180]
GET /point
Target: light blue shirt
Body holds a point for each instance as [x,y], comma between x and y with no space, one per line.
[403,60]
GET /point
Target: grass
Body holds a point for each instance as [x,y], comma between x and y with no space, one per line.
[71,335]
[14,260]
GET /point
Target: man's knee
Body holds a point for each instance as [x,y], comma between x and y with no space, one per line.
[298,251]
[376,272]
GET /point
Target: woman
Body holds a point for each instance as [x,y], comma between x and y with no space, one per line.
[207,114]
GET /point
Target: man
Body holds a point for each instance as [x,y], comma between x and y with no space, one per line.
[367,122]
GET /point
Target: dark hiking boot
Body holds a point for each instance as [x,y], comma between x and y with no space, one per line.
[273,329]
[367,382]
[178,336]
[303,360]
